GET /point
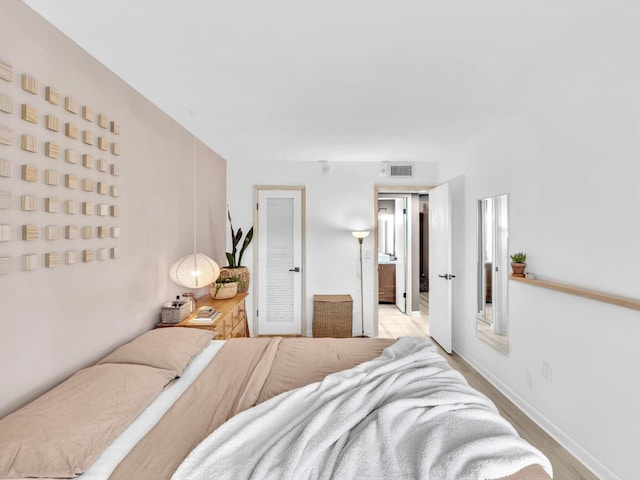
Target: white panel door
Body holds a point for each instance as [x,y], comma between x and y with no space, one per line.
[440,275]
[279,262]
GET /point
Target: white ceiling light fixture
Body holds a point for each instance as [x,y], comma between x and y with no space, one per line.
[195,270]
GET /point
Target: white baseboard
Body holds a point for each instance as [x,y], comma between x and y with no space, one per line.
[415,313]
[588,460]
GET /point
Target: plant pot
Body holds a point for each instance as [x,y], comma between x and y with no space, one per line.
[238,272]
[221,291]
[518,269]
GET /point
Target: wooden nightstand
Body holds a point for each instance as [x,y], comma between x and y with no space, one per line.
[231,323]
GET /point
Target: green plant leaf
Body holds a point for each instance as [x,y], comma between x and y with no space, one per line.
[231,259]
[245,244]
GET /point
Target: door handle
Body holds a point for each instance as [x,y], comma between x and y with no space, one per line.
[297,269]
[447,276]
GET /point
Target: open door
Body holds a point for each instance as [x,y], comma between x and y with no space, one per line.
[440,274]
[401,253]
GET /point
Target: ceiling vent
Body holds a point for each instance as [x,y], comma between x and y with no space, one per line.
[401,170]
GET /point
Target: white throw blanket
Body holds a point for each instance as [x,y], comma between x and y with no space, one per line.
[403,415]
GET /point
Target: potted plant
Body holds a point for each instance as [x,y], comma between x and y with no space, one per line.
[226,287]
[234,269]
[518,264]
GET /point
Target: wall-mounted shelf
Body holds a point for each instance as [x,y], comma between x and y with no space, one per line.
[582,292]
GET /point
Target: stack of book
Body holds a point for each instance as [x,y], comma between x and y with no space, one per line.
[206,314]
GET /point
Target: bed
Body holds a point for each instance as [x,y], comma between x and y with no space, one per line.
[172,404]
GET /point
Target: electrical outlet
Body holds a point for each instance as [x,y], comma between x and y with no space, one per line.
[530,382]
[546,370]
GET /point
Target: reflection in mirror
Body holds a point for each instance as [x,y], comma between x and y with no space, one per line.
[493,264]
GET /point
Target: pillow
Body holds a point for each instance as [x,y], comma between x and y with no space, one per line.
[62,433]
[168,348]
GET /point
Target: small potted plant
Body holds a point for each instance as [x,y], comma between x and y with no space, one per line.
[226,287]
[518,264]
[234,257]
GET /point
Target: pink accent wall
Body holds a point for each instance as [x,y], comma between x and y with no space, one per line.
[55,321]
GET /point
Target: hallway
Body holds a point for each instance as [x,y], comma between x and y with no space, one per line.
[392,323]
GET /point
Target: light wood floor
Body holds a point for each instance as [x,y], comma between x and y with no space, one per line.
[392,324]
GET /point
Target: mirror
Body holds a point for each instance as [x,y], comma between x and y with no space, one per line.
[492,324]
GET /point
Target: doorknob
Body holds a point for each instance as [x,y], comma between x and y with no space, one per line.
[447,276]
[297,269]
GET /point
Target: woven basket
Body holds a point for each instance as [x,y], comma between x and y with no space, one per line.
[332,316]
[239,272]
[222,291]
[175,314]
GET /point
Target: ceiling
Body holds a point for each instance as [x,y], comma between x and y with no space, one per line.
[339,80]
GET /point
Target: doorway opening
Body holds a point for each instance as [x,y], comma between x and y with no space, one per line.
[402,246]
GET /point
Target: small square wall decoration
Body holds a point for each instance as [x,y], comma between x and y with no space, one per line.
[51,259]
[87,114]
[71,156]
[101,165]
[51,177]
[52,150]
[51,205]
[5,233]
[115,149]
[102,253]
[87,185]
[115,252]
[5,168]
[87,160]
[71,207]
[115,211]
[52,123]
[103,122]
[88,256]
[103,144]
[29,84]
[88,138]
[6,72]
[29,232]
[29,144]
[115,170]
[6,104]
[70,105]
[115,128]
[103,188]
[52,95]
[51,232]
[115,191]
[5,135]
[103,231]
[115,232]
[29,173]
[71,131]
[87,233]
[6,265]
[71,232]
[88,208]
[5,200]
[103,209]
[70,181]
[28,203]
[29,113]
[29,262]
[70,257]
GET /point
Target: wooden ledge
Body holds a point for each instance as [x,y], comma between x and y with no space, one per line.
[582,292]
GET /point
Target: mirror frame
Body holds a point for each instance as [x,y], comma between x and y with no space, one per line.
[495,332]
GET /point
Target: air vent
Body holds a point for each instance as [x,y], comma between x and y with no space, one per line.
[401,170]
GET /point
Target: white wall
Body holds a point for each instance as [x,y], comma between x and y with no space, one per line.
[337,203]
[570,163]
[54,321]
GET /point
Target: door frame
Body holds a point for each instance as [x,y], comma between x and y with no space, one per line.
[382,189]
[303,226]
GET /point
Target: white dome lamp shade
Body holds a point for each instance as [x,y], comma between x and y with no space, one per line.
[195,270]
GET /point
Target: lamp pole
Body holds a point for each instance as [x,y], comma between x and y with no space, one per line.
[361,235]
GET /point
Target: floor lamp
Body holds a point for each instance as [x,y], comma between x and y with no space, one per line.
[361,235]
